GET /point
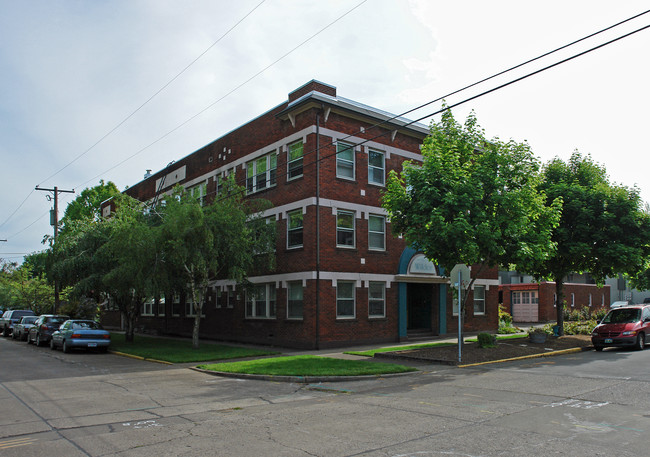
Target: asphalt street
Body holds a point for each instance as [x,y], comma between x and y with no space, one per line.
[78,404]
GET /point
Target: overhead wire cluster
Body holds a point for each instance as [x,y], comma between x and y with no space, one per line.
[375,126]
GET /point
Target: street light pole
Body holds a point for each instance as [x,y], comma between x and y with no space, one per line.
[54,220]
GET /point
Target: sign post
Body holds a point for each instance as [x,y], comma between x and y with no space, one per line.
[461,274]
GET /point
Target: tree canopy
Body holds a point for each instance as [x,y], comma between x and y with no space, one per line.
[603,229]
[472,201]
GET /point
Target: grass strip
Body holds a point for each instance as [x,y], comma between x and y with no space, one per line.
[499,337]
[372,352]
[180,351]
[307,365]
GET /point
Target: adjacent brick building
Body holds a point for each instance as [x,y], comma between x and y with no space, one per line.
[342,277]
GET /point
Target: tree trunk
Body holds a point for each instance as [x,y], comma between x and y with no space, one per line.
[130,327]
[559,305]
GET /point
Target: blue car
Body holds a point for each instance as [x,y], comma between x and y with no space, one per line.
[82,334]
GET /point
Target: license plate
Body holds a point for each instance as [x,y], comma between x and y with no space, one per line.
[608,340]
[92,345]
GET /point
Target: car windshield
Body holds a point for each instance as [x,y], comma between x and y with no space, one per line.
[623,316]
[57,321]
[86,325]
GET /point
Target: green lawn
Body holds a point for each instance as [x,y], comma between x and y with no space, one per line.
[179,351]
[499,337]
[372,352]
[307,365]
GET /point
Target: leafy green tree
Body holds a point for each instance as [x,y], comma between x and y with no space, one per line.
[87,206]
[604,228]
[472,201]
[225,238]
[20,288]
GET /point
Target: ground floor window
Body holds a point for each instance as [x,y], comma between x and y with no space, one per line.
[176,305]
[294,300]
[161,307]
[376,299]
[479,300]
[147,308]
[345,291]
[260,301]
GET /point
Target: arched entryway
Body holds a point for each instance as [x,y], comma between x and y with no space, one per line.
[422,296]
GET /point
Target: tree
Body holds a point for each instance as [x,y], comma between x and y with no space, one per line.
[21,288]
[603,229]
[225,238]
[472,201]
[87,206]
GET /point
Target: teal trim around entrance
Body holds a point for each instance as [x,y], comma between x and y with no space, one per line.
[404,261]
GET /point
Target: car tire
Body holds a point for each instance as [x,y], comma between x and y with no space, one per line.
[103,350]
[52,346]
[38,339]
[640,342]
[5,331]
[65,347]
[13,335]
[598,348]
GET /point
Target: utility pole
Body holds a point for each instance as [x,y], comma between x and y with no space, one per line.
[54,221]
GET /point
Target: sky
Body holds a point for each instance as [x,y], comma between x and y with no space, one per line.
[104,90]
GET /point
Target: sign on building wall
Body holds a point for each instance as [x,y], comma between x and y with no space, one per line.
[422,266]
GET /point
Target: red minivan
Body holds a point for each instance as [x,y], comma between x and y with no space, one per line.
[628,326]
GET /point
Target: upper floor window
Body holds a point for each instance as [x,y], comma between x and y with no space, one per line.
[479,299]
[199,192]
[345,228]
[294,228]
[376,167]
[376,233]
[295,160]
[260,302]
[344,160]
[261,173]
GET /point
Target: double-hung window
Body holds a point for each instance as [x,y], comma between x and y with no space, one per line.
[376,299]
[261,173]
[376,167]
[161,306]
[147,308]
[294,228]
[479,300]
[176,305]
[294,300]
[260,302]
[345,228]
[199,192]
[345,299]
[295,160]
[376,233]
[344,161]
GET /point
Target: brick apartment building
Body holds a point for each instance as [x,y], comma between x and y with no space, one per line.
[341,277]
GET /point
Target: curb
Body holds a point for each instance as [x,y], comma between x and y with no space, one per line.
[301,379]
[394,356]
[131,356]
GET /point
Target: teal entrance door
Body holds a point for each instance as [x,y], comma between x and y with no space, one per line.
[419,307]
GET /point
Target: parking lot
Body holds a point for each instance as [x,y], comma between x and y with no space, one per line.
[81,403]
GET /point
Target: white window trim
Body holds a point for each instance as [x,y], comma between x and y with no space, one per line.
[288,219]
[481,299]
[289,161]
[352,148]
[370,248]
[267,314]
[354,229]
[252,164]
[377,316]
[354,301]
[302,286]
[383,169]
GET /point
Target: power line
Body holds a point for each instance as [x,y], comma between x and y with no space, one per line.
[548,67]
[224,96]
[155,94]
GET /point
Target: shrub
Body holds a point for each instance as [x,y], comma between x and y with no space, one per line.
[574,327]
[505,318]
[485,340]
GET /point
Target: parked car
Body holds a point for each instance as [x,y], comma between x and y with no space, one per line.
[45,325]
[21,329]
[77,333]
[626,326]
[11,318]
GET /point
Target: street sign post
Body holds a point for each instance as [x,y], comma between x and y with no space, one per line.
[460,278]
